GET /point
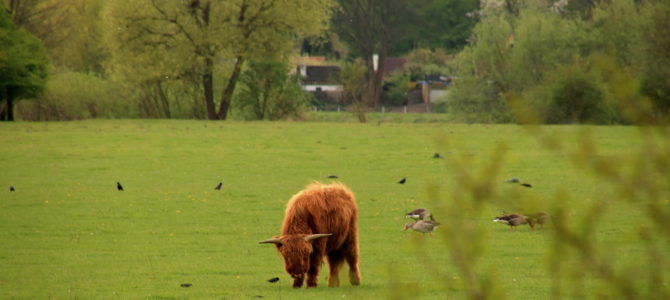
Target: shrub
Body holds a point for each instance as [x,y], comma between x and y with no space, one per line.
[270,93]
[397,89]
[653,54]
[478,100]
[352,76]
[575,98]
[76,96]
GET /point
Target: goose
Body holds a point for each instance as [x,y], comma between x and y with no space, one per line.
[420,214]
[538,218]
[422,226]
[512,220]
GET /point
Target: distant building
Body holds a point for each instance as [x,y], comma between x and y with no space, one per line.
[320,78]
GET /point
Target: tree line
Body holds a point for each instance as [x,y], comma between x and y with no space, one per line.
[602,62]
[551,61]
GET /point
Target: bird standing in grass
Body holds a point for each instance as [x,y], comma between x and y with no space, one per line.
[218,187]
[538,218]
[420,214]
[273,280]
[513,180]
[512,220]
[11,189]
[422,226]
[119,186]
[402,181]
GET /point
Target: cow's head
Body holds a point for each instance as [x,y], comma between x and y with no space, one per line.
[296,249]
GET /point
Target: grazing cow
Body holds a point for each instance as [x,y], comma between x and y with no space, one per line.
[320,220]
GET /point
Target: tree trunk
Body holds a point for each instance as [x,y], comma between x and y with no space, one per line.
[10,105]
[208,88]
[2,110]
[227,95]
[2,106]
[165,102]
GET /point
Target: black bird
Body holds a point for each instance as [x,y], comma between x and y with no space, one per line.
[11,189]
[512,180]
[185,285]
[332,176]
[273,280]
[527,185]
[402,181]
[437,155]
[118,186]
[218,187]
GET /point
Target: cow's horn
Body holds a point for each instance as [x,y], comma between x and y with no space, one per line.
[316,236]
[271,241]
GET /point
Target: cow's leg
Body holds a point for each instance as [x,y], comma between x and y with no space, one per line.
[335,260]
[351,255]
[315,261]
[297,281]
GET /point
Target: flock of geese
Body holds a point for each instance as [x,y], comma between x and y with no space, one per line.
[425,223]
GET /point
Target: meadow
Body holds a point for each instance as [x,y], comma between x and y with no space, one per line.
[67,233]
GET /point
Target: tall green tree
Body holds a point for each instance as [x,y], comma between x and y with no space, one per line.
[199,40]
[444,24]
[373,27]
[69,29]
[23,65]
[653,54]
[269,92]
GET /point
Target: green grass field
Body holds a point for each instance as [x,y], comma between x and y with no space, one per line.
[67,233]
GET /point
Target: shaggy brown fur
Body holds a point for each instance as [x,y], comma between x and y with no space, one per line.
[320,209]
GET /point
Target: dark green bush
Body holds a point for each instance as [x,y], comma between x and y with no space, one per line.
[270,93]
[76,96]
[478,100]
[397,90]
[575,98]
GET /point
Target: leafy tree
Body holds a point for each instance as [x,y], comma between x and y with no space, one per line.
[575,98]
[372,27]
[69,29]
[653,55]
[23,66]
[45,19]
[422,62]
[439,24]
[352,76]
[197,40]
[269,92]
[551,63]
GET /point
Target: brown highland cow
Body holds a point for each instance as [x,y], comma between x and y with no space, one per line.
[320,220]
